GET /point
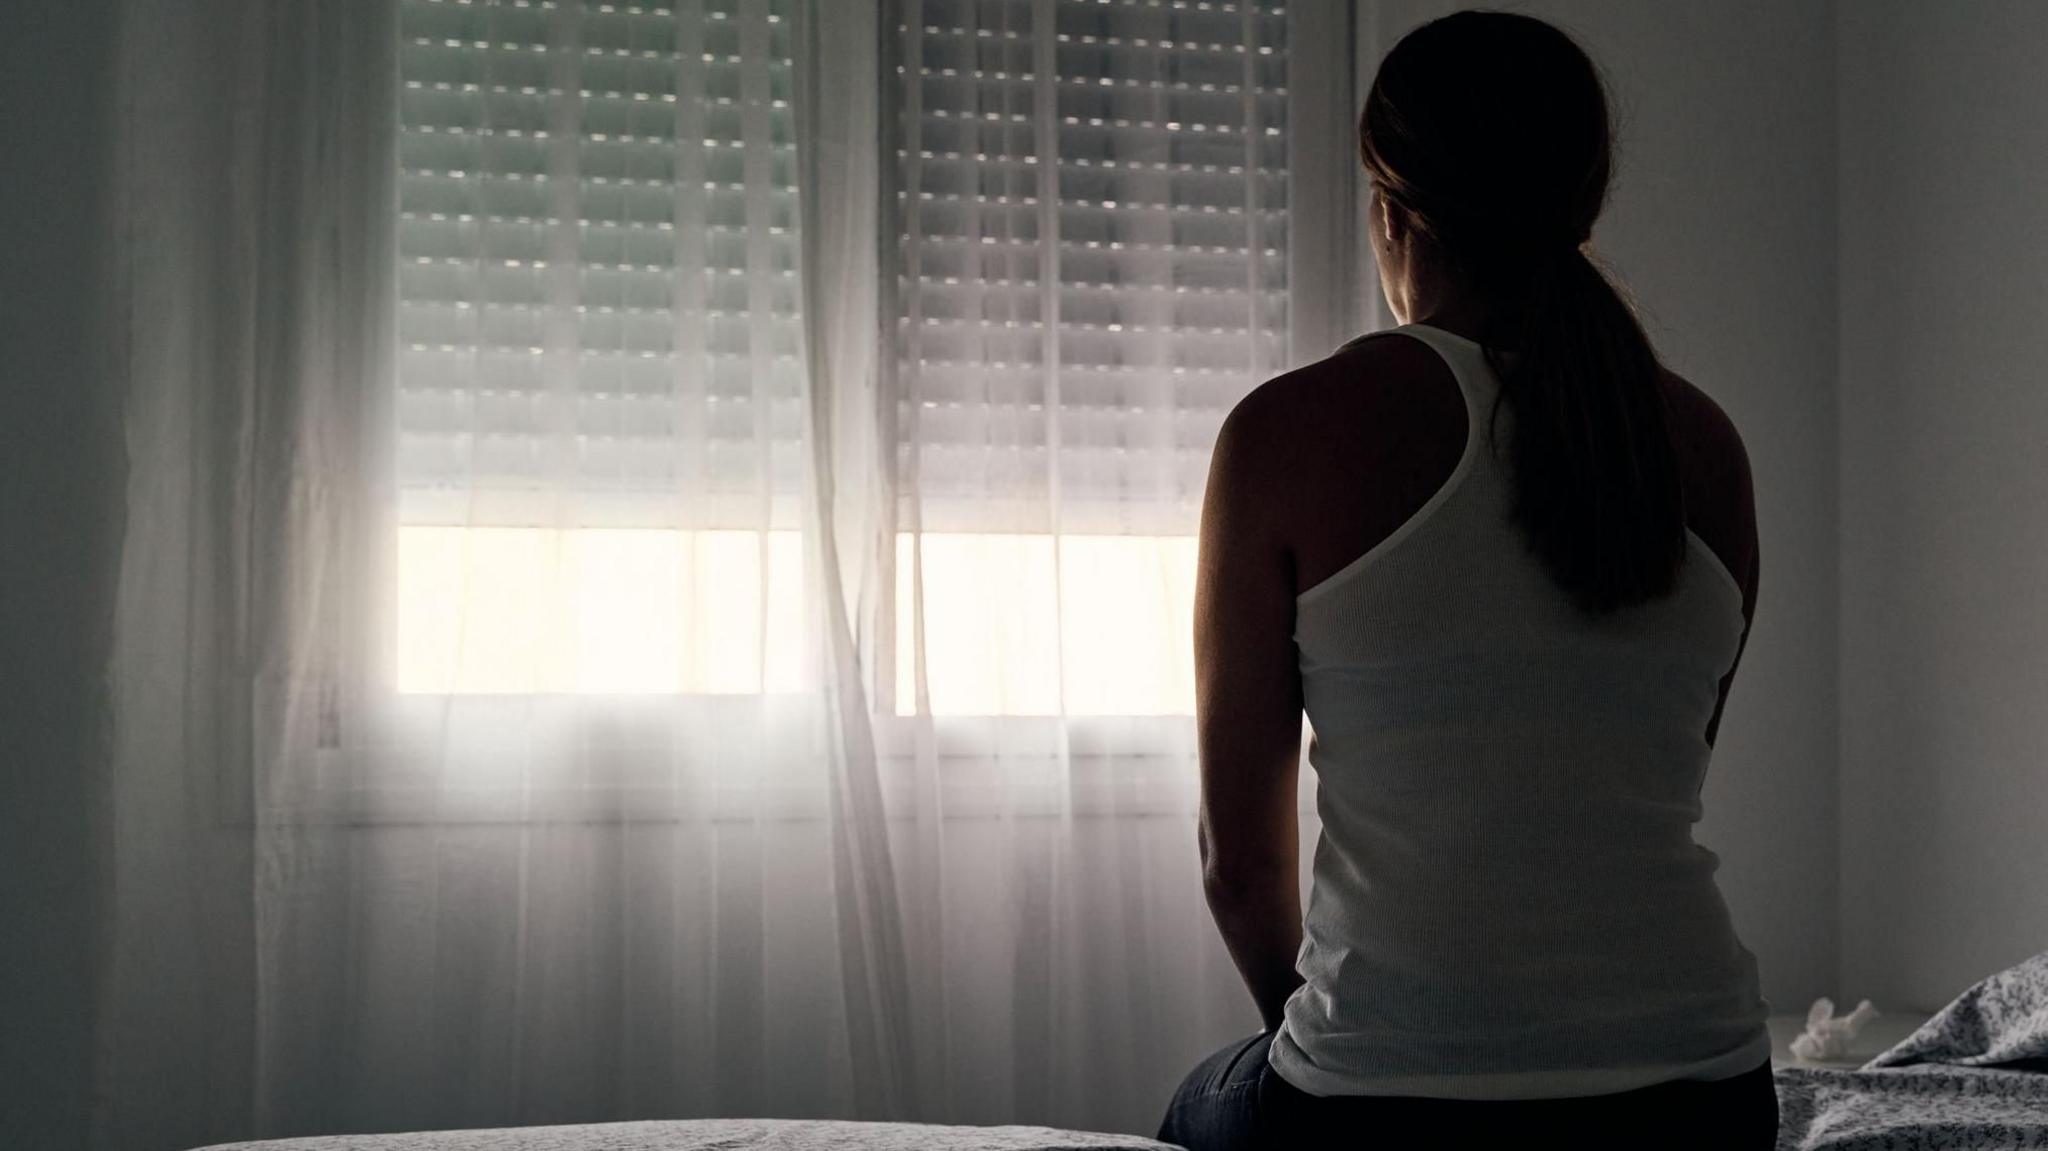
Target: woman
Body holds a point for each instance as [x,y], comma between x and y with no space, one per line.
[1506,563]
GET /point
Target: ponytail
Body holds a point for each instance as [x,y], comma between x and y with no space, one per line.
[1597,489]
[1489,133]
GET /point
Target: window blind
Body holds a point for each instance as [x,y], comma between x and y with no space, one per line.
[599,404]
[1092,231]
[598,257]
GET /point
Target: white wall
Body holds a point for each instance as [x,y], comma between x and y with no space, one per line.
[1944,406]
[60,486]
[1723,224]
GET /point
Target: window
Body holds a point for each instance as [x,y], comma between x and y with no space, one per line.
[600,417]
[599,384]
[1092,245]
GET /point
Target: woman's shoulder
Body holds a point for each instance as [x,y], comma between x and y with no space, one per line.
[1373,373]
[1698,413]
[1336,454]
[1374,402]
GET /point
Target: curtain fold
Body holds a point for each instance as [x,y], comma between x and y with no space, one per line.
[252,154]
[838,132]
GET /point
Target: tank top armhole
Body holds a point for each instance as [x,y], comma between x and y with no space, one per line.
[1437,498]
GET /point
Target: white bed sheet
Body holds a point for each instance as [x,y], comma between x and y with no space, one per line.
[719,1135]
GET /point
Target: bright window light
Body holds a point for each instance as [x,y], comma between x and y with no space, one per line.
[486,610]
[1002,636]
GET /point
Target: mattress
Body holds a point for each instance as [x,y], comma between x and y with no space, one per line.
[719,1135]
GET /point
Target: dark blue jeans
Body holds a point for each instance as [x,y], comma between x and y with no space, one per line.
[1234,1099]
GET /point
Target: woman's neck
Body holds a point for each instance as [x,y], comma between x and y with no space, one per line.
[1440,302]
[1461,318]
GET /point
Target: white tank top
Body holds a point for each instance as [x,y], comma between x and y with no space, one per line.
[1508,902]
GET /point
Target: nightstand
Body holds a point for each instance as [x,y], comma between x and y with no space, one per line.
[1877,1035]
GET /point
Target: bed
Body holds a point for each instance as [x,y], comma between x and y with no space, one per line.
[719,1135]
[1973,1076]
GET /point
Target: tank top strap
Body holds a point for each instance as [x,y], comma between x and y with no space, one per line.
[1465,357]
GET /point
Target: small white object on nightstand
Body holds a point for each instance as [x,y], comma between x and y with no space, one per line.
[1828,1035]
[1882,1030]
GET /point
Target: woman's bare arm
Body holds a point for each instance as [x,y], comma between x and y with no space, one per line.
[1248,708]
[1720,503]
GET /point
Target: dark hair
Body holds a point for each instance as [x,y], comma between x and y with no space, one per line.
[1489,132]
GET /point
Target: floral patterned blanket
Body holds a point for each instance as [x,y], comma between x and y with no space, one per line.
[1973,1076]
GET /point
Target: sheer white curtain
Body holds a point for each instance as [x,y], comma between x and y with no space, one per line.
[1089,227]
[659,555]
[474,668]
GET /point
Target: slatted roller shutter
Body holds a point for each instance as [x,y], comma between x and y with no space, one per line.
[598,285]
[1091,233]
